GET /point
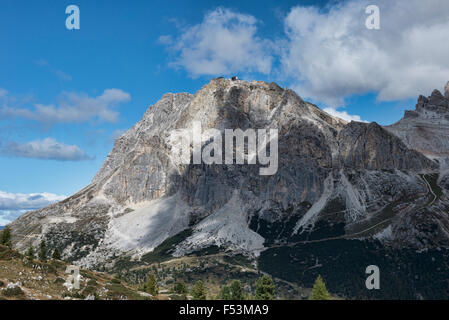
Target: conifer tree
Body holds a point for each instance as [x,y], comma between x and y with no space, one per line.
[237,291]
[198,291]
[180,288]
[42,251]
[5,237]
[151,286]
[265,288]
[225,293]
[319,291]
[30,252]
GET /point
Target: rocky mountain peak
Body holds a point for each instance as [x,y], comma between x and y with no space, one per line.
[446,90]
[436,103]
[426,128]
[142,195]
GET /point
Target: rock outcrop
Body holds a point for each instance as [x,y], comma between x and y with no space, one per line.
[142,195]
[446,90]
[426,129]
[371,147]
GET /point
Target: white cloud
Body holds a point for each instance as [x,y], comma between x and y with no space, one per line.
[224,43]
[328,54]
[331,55]
[48,148]
[13,205]
[3,93]
[73,108]
[166,40]
[61,74]
[30,201]
[343,115]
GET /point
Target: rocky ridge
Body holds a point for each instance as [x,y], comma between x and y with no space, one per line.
[349,179]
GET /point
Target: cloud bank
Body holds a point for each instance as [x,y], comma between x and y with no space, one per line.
[327,54]
[224,43]
[48,149]
[343,115]
[331,55]
[73,108]
[12,205]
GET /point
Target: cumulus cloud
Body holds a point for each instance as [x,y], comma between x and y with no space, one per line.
[343,115]
[30,201]
[224,43]
[73,108]
[48,149]
[328,54]
[331,55]
[13,205]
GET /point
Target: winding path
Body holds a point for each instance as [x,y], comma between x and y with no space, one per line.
[348,236]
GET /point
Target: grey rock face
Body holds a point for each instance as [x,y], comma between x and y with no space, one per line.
[446,90]
[435,103]
[427,128]
[369,146]
[141,195]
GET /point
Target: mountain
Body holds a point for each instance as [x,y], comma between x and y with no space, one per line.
[1,227]
[426,129]
[343,193]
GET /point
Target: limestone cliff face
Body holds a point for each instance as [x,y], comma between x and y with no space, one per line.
[141,167]
[142,195]
[369,146]
[446,90]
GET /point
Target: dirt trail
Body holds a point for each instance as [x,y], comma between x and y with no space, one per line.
[352,235]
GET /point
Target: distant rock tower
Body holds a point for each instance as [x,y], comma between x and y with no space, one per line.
[446,90]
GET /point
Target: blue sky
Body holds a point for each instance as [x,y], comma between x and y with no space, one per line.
[66,94]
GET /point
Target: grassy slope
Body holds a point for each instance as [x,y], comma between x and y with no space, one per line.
[44,280]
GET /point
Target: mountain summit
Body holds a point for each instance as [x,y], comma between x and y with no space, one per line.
[426,129]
